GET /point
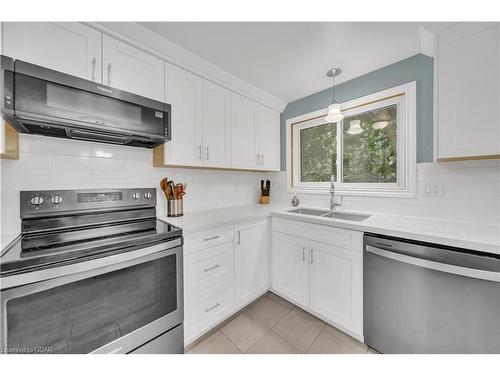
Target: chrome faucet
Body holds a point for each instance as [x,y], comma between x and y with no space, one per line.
[333,203]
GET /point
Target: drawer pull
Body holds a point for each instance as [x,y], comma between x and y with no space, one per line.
[211,268]
[211,238]
[207,309]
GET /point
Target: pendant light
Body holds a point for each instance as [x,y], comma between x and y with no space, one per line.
[334,113]
[355,127]
[381,120]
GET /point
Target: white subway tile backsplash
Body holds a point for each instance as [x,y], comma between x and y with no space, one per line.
[471,191]
[47,145]
[102,150]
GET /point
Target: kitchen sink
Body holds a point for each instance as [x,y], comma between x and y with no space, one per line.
[334,215]
[346,216]
[309,211]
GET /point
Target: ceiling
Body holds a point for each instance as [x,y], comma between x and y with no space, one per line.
[290,59]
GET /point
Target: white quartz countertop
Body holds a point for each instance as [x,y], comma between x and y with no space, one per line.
[473,236]
[197,221]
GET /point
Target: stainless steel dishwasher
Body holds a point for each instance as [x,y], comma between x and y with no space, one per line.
[423,298]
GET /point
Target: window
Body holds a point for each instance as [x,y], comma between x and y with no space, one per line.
[370,152]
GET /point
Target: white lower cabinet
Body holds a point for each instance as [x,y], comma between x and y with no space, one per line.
[207,308]
[251,261]
[290,267]
[335,284]
[320,269]
[224,269]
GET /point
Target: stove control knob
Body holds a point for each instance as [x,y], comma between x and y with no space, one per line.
[147,195]
[36,200]
[56,199]
[136,195]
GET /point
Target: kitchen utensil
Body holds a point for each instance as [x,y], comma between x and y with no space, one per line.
[171,189]
[164,187]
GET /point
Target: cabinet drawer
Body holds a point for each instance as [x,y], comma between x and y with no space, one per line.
[208,308]
[348,239]
[202,240]
[208,267]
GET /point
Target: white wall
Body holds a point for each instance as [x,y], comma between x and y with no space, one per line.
[51,163]
[471,192]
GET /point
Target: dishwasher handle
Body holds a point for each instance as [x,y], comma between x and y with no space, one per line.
[437,266]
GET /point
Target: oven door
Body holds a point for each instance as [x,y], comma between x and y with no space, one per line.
[108,305]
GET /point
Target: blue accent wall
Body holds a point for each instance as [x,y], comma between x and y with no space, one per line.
[419,68]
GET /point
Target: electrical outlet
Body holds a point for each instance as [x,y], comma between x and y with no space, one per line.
[433,189]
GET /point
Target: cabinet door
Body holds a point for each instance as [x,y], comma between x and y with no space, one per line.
[130,69]
[336,285]
[469,90]
[268,138]
[251,262]
[184,91]
[68,47]
[216,125]
[290,268]
[243,119]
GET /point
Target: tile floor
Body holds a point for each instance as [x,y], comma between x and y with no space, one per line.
[273,325]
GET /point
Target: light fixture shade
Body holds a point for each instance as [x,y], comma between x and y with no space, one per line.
[334,114]
[355,127]
[380,124]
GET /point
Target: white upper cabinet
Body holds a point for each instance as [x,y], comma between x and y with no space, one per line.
[255,135]
[468,105]
[251,261]
[184,91]
[268,138]
[68,47]
[243,118]
[216,126]
[131,69]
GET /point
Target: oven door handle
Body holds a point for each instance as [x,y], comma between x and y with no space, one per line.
[436,266]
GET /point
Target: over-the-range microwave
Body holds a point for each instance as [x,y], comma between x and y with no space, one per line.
[42,101]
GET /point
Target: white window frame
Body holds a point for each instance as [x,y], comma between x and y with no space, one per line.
[404,96]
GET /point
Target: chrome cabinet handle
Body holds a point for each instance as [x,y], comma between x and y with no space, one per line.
[211,268]
[257,159]
[207,153]
[93,69]
[303,253]
[262,160]
[199,152]
[238,242]
[109,74]
[312,259]
[207,309]
[211,238]
[116,350]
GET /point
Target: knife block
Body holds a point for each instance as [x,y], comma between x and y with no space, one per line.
[264,199]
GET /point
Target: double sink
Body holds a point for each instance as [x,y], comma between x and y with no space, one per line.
[330,214]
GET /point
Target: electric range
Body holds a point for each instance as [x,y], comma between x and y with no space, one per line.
[99,261]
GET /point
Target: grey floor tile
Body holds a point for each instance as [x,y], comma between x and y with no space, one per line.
[345,337]
[280,300]
[253,323]
[217,343]
[299,328]
[271,343]
[330,344]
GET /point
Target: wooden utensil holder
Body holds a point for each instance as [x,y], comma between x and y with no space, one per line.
[264,199]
